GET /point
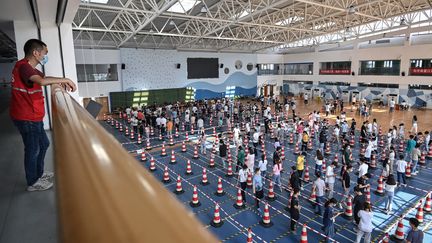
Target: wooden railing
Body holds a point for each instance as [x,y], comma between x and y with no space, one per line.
[104,194]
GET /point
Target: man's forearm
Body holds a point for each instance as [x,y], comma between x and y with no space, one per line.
[52,80]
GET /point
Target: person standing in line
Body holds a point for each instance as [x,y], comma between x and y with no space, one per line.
[242,178]
[27,110]
[414,125]
[277,168]
[240,158]
[301,164]
[346,183]
[251,160]
[203,141]
[262,164]
[319,188]
[222,150]
[358,204]
[392,156]
[257,188]
[415,235]
[415,156]
[392,105]
[318,162]
[305,140]
[330,179]
[295,210]
[294,180]
[390,186]
[401,165]
[365,225]
[329,219]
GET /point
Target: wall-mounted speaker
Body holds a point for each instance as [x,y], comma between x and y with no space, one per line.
[123,66]
[221,65]
[178,65]
[353,73]
[403,73]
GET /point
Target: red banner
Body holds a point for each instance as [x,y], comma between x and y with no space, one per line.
[335,71]
[421,71]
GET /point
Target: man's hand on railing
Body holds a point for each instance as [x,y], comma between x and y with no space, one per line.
[68,85]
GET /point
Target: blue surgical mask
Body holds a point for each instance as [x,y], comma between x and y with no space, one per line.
[44,60]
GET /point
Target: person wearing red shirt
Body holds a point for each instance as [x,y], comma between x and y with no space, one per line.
[27,110]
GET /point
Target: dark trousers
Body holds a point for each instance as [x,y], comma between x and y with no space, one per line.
[258,195]
[304,146]
[243,192]
[294,218]
[401,175]
[36,144]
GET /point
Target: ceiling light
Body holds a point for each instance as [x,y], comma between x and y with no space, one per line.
[171,22]
[351,9]
[96,1]
[203,9]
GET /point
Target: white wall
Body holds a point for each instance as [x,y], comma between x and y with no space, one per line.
[403,53]
[156,69]
[93,56]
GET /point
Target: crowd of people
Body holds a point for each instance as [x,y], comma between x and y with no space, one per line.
[281,120]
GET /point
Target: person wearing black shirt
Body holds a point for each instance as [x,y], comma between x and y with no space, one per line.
[346,182]
[358,203]
[323,139]
[294,179]
[363,133]
[276,155]
[362,182]
[222,152]
[353,126]
[295,209]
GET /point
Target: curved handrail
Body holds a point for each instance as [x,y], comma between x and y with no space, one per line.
[104,194]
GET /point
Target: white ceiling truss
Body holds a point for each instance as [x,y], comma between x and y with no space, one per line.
[240,25]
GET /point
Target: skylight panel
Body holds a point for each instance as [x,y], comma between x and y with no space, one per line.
[183,6]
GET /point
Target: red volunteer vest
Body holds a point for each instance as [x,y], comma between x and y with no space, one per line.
[27,103]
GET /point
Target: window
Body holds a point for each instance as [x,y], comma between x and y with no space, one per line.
[384,67]
[230,92]
[97,72]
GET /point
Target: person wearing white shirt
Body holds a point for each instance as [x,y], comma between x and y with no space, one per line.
[392,105]
[401,165]
[330,179]
[390,187]
[236,134]
[251,161]
[128,112]
[262,164]
[255,139]
[365,226]
[392,155]
[200,123]
[363,168]
[368,152]
[242,177]
[163,121]
[427,140]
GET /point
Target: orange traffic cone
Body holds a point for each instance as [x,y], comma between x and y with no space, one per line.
[401,146]
[173,158]
[179,189]
[427,207]
[204,180]
[312,197]
[212,161]
[121,128]
[249,236]
[368,196]
[214,131]
[195,202]
[249,180]
[303,237]
[148,147]
[282,153]
[229,170]
[160,136]
[171,141]
[422,160]
[166,177]
[195,155]
[192,130]
[265,222]
[163,151]
[214,148]
[143,156]
[336,158]
[408,170]
[216,222]
[380,188]
[419,215]
[399,234]
[348,214]
[183,148]
[306,175]
[291,139]
[126,131]
[429,155]
[176,133]
[239,202]
[132,135]
[324,167]
[139,141]
[309,145]
[189,168]
[271,195]
[187,137]
[352,142]
[219,192]
[152,164]
[151,131]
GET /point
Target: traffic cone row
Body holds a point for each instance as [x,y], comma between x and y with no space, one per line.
[352,142]
[187,137]
[401,146]
[336,158]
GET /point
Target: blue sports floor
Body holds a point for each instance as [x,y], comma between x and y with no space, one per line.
[237,221]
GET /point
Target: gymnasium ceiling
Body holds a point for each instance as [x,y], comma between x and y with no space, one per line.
[242,25]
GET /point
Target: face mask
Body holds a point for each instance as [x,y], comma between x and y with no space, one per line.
[44,60]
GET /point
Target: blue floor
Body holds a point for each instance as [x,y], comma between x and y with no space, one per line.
[237,221]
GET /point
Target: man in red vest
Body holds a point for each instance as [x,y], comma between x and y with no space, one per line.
[27,111]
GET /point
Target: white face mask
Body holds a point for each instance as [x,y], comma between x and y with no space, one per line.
[44,60]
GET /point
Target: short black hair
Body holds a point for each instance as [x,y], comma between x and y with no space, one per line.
[414,222]
[33,44]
